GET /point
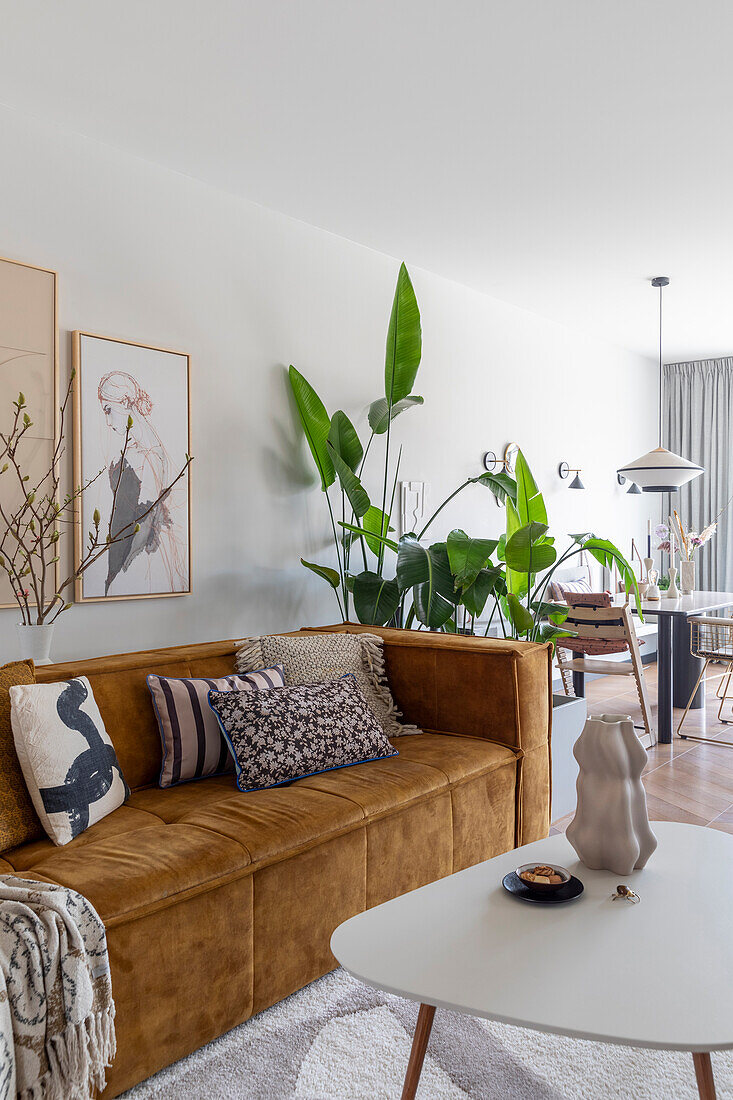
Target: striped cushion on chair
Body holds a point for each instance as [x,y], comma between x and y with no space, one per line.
[193,746]
[560,589]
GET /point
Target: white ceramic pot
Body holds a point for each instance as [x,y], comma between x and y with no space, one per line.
[35,642]
[610,830]
[687,577]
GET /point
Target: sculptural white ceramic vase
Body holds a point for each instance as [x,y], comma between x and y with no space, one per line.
[610,830]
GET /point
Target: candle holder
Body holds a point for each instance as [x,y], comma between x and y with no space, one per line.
[673,591]
[652,592]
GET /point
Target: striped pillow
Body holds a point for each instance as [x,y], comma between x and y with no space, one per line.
[193,746]
[560,589]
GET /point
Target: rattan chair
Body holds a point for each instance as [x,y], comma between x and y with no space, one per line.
[711,639]
[601,628]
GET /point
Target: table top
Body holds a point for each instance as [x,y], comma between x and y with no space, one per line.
[697,603]
[656,974]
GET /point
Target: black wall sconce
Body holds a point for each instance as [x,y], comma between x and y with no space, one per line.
[565,471]
[633,487]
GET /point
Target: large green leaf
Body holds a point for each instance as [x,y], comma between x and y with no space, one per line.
[316,425]
[324,571]
[501,485]
[376,523]
[526,553]
[427,571]
[389,543]
[379,413]
[516,579]
[375,599]
[355,491]
[467,556]
[344,440]
[606,553]
[488,582]
[431,609]
[549,633]
[555,612]
[530,504]
[404,341]
[522,620]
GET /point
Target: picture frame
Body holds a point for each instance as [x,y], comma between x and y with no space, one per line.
[29,363]
[114,380]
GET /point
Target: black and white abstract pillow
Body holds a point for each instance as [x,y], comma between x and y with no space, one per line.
[291,732]
[68,761]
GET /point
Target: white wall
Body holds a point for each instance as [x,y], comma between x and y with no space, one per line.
[149,255]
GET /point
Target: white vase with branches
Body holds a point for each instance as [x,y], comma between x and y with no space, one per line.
[31,530]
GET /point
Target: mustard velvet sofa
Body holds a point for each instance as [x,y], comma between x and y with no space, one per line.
[218,904]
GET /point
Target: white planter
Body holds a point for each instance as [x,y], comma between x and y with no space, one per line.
[610,830]
[35,642]
[568,719]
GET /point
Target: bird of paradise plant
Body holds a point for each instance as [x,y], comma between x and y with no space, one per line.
[446,585]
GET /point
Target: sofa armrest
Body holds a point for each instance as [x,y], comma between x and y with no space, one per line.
[491,688]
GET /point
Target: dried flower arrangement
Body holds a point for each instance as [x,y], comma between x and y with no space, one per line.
[673,536]
[31,530]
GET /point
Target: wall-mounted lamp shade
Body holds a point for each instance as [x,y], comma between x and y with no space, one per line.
[565,471]
[633,487]
[660,471]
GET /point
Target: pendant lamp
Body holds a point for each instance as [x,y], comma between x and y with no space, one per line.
[660,470]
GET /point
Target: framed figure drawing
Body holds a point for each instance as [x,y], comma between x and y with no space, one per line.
[123,389]
[28,365]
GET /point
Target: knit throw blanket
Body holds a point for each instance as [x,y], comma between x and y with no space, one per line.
[57,1031]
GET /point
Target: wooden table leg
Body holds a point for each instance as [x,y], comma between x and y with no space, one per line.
[419,1045]
[704,1076]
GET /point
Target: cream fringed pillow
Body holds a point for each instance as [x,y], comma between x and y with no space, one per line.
[67,758]
[320,658]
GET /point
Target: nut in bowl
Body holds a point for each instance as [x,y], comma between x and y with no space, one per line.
[542,877]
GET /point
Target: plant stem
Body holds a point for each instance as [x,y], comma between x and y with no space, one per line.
[380,556]
[491,616]
[442,506]
[338,553]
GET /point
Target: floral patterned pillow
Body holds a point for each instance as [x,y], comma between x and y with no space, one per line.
[292,732]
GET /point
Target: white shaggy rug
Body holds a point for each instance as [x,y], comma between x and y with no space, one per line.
[338,1039]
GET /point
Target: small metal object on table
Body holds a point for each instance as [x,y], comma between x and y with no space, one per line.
[677,669]
[464,944]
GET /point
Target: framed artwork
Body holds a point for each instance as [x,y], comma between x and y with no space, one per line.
[29,364]
[116,380]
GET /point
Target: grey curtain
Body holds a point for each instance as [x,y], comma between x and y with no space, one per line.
[697,422]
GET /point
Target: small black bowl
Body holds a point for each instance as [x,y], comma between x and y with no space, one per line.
[570,890]
[544,887]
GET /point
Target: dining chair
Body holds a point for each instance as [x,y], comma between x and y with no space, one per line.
[600,628]
[711,639]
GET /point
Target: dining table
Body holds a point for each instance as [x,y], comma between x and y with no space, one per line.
[677,669]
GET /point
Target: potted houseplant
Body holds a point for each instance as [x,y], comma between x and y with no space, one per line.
[445,586]
[33,519]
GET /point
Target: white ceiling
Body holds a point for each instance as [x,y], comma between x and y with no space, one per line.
[552,153]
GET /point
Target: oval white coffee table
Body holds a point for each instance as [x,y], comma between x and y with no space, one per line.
[657,974]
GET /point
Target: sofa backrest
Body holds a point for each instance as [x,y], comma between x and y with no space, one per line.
[478,687]
[119,686]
